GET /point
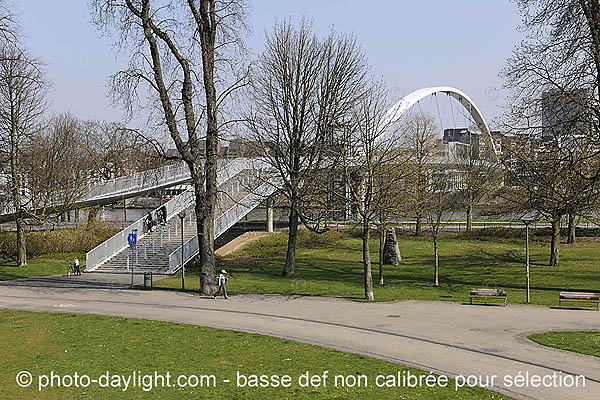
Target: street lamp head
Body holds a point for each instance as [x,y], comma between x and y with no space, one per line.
[181,214]
[527,221]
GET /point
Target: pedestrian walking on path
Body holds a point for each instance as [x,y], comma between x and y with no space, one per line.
[222,282]
[76,266]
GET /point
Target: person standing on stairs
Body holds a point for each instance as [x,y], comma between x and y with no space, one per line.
[149,222]
[222,282]
[163,215]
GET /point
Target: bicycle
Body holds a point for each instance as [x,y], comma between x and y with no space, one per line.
[71,270]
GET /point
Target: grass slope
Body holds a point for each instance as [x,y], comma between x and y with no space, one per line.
[330,265]
[93,345]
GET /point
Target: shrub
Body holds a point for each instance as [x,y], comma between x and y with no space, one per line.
[58,241]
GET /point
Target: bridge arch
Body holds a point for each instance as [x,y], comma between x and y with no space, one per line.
[398,109]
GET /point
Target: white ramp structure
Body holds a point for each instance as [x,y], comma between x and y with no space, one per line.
[397,110]
[241,189]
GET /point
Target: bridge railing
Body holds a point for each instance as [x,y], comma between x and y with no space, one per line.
[222,223]
[147,179]
[118,242]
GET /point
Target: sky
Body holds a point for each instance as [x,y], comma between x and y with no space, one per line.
[410,45]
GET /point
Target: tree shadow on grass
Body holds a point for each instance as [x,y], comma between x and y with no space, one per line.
[470,266]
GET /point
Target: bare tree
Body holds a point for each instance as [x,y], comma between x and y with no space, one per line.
[112,151]
[478,176]
[431,179]
[553,110]
[372,165]
[8,25]
[115,151]
[184,53]
[419,135]
[551,180]
[388,206]
[57,168]
[439,204]
[302,90]
[23,89]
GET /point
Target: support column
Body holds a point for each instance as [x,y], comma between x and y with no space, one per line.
[269,214]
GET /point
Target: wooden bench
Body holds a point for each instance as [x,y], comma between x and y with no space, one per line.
[578,297]
[488,293]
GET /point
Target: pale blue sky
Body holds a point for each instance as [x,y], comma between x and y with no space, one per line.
[410,44]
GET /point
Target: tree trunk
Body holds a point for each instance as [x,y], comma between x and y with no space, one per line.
[367,264]
[269,205]
[436,260]
[555,244]
[290,257]
[21,244]
[205,227]
[382,239]
[418,227]
[15,176]
[207,269]
[469,217]
[572,227]
[92,213]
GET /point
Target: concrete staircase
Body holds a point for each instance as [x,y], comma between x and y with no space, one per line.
[153,249]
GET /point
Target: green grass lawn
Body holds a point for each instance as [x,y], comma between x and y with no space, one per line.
[48,264]
[92,345]
[331,266]
[585,342]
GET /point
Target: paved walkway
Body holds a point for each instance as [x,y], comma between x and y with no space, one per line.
[444,337]
[239,242]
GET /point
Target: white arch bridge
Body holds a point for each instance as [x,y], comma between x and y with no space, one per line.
[396,112]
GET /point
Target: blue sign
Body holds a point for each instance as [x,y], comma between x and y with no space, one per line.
[132,238]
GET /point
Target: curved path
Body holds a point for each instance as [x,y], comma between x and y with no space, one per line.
[443,337]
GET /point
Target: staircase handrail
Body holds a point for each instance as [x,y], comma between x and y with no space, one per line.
[222,223]
[118,242]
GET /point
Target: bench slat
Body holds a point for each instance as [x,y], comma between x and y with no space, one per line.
[579,296]
[488,292]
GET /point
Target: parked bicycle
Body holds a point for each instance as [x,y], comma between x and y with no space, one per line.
[71,269]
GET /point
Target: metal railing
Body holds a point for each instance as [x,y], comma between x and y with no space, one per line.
[222,223]
[145,180]
[101,253]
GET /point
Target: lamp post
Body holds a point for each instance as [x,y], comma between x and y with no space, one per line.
[200,262]
[526,222]
[182,217]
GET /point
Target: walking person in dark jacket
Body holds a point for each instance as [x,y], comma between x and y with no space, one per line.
[221,283]
[149,222]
